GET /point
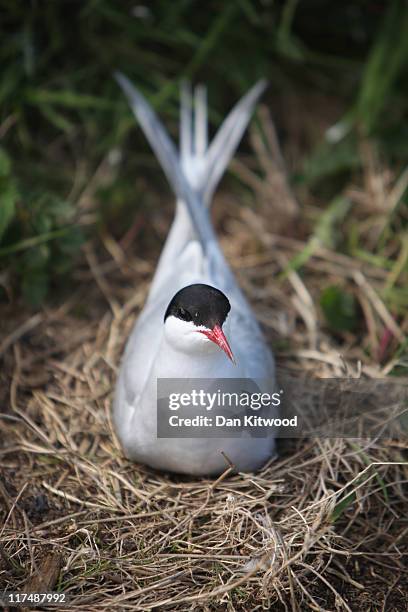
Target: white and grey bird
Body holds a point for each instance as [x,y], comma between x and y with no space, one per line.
[196,322]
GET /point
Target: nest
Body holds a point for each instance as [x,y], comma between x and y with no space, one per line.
[320,527]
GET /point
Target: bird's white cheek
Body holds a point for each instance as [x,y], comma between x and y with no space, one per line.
[185,336]
[179,334]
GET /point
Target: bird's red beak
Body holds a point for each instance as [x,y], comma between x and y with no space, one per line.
[217,335]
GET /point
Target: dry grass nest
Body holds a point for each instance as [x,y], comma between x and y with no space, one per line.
[321,527]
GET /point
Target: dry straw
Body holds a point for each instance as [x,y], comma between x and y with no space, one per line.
[321,527]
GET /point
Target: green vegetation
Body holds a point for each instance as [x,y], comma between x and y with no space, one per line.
[63,118]
[339,308]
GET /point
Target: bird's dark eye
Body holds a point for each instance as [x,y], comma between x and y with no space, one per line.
[182,313]
[196,315]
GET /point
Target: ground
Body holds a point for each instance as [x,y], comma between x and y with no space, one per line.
[321,527]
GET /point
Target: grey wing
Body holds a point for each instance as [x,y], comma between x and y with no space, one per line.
[252,349]
[141,350]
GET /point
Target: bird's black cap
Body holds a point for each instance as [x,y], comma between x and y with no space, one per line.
[201,304]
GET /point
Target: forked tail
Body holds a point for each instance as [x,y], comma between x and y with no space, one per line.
[195,172]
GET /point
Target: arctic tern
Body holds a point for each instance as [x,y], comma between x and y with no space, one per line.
[196,322]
